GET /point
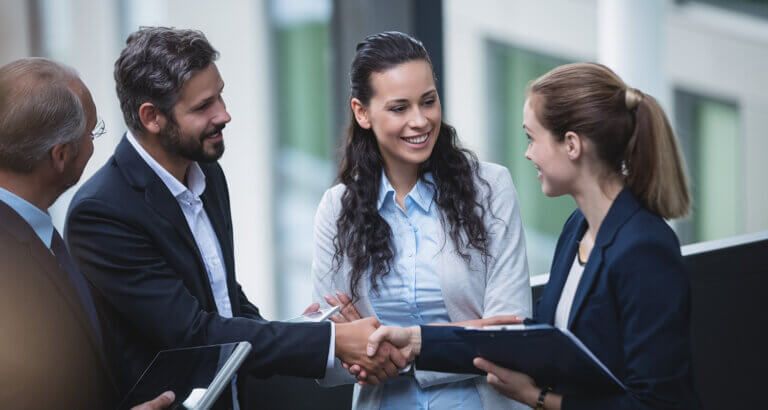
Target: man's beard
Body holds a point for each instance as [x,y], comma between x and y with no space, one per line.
[191,148]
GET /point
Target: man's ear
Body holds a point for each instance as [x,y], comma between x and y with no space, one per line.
[361,113]
[61,154]
[574,145]
[151,118]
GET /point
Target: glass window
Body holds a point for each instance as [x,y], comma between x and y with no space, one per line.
[749,7]
[512,69]
[134,14]
[709,132]
[305,165]
[56,31]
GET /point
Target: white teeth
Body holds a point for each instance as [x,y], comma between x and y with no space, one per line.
[417,140]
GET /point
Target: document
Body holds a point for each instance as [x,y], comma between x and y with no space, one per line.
[551,356]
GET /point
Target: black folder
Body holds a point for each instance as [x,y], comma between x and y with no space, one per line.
[551,356]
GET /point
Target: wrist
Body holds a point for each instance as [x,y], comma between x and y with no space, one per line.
[541,397]
[341,330]
[416,340]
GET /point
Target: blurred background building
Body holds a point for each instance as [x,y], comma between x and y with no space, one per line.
[285,64]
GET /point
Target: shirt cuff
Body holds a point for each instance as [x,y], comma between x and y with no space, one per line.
[332,348]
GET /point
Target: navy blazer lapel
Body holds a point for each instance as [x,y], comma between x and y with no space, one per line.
[623,207]
[156,194]
[561,266]
[43,256]
[141,176]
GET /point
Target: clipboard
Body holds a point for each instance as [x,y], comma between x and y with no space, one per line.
[551,356]
[196,375]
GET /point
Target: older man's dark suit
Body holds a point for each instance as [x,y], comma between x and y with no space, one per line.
[131,240]
[49,355]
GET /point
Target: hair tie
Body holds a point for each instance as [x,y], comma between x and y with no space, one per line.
[632,98]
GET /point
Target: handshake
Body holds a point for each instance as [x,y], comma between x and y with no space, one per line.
[373,353]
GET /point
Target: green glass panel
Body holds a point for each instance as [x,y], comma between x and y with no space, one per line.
[512,71]
[304,89]
[717,191]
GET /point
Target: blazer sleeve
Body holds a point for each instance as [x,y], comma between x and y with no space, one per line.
[444,351]
[323,282]
[653,297]
[248,309]
[120,259]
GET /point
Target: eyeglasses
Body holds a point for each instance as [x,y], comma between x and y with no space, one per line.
[98,130]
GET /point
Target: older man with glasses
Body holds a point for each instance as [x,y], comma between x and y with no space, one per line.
[51,338]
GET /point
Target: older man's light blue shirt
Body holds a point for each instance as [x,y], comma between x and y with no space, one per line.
[39,220]
[411,293]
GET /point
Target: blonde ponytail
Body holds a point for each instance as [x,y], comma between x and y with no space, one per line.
[655,168]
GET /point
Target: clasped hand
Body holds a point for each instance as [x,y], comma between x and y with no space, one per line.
[386,340]
[352,334]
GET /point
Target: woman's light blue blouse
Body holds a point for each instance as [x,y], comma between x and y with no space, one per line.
[410,294]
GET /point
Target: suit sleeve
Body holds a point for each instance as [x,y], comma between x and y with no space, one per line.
[248,309]
[120,259]
[653,297]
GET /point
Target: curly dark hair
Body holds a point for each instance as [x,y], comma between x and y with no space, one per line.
[363,235]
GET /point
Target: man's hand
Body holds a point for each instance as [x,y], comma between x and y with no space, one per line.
[160,402]
[351,345]
[405,340]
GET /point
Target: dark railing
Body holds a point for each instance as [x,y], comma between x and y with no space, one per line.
[729,316]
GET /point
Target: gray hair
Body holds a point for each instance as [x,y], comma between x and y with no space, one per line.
[153,67]
[39,108]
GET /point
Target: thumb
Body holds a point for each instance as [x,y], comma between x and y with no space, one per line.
[375,339]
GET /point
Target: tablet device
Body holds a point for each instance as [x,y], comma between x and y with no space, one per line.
[196,375]
[318,316]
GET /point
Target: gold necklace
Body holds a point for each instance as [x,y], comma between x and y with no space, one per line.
[583,253]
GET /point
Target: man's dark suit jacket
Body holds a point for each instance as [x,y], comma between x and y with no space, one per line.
[631,309]
[131,240]
[49,355]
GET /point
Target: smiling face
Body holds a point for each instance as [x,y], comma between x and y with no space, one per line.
[199,116]
[404,114]
[550,157]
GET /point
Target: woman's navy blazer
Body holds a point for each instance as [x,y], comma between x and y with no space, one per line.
[631,308]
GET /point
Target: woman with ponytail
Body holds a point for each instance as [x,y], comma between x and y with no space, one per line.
[418,230]
[617,280]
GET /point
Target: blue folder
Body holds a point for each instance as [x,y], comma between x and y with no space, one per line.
[551,356]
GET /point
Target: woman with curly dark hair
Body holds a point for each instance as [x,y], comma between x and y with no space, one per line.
[418,230]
